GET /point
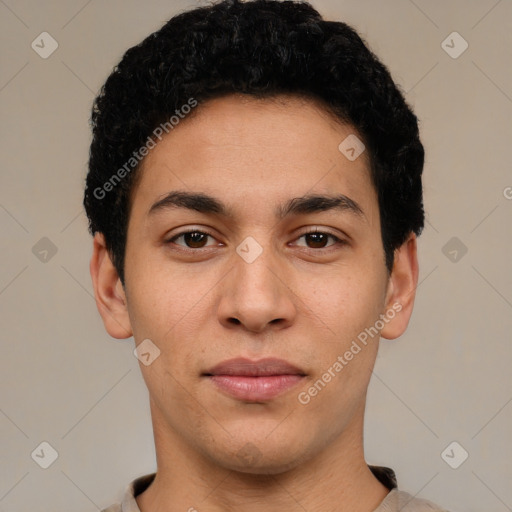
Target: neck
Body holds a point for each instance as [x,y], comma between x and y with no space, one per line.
[335,480]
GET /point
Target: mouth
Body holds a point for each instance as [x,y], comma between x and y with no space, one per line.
[254,381]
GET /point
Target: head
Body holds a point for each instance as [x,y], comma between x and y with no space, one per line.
[226,133]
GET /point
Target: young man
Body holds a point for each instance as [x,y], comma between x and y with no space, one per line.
[254,192]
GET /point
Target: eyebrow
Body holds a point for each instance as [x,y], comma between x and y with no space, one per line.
[310,203]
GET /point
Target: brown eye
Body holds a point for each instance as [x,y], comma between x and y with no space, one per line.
[319,240]
[192,239]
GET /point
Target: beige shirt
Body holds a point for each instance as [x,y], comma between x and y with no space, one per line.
[395,501]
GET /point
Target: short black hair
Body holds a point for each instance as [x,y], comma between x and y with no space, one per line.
[262,48]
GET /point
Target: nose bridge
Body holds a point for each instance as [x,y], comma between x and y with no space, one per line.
[255,271]
[254,294]
[257,277]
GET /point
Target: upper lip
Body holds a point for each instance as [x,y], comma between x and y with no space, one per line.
[246,367]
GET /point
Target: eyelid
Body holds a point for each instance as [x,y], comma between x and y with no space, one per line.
[318,229]
[342,237]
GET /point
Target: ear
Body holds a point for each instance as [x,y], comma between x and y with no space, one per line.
[108,291]
[401,289]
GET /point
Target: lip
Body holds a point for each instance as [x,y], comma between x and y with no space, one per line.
[254,381]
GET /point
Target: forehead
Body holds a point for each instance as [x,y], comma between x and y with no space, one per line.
[253,150]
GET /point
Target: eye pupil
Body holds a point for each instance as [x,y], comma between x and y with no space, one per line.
[318,239]
[194,239]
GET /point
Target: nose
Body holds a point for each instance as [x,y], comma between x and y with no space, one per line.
[257,295]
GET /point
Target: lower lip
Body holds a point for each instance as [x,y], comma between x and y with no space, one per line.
[255,388]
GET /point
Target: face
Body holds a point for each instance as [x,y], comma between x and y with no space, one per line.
[232,254]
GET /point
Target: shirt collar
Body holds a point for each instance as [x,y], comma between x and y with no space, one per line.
[386,476]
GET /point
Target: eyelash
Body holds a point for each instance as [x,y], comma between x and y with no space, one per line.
[337,240]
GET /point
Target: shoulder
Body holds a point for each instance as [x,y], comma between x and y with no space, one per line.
[402,501]
[136,487]
[112,508]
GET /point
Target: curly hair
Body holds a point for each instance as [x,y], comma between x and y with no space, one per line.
[262,48]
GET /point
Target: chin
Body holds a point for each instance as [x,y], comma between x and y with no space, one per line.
[251,460]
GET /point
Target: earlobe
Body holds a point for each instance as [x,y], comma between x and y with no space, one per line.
[108,291]
[401,290]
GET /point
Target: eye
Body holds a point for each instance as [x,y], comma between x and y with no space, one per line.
[316,239]
[191,239]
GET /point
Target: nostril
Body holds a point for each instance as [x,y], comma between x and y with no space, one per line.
[235,321]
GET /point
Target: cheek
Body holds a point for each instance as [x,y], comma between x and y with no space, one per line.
[345,352]
[161,299]
[345,303]
[167,307]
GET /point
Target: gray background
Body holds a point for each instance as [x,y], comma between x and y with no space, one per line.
[66,382]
